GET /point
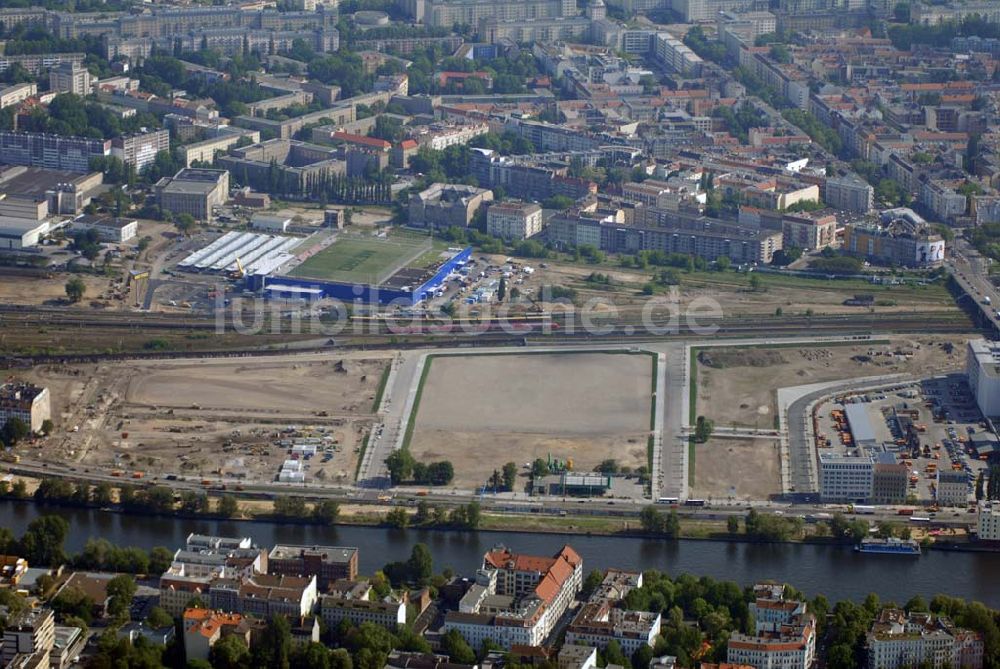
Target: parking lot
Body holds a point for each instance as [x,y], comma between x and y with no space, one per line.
[931,425]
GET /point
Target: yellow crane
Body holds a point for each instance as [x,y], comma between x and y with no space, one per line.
[239,272]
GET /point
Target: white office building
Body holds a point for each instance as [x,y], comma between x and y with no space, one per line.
[982,366]
[846,478]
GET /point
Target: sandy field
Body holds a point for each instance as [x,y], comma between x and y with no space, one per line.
[723,469]
[743,392]
[334,385]
[586,407]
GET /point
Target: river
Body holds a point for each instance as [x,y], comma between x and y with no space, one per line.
[835,571]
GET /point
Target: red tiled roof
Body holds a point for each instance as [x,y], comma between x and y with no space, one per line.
[361,139]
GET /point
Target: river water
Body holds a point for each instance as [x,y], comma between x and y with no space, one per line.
[835,571]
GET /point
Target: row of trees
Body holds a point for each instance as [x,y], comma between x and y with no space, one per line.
[465,517]
[404,468]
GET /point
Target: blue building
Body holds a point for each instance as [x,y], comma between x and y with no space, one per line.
[407,286]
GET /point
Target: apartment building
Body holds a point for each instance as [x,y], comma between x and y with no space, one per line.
[226,138]
[12,95]
[849,193]
[203,560]
[25,401]
[667,231]
[517,599]
[603,618]
[953,488]
[28,633]
[444,205]
[326,563]
[785,634]
[676,55]
[941,199]
[36,149]
[204,627]
[193,191]
[389,613]
[265,595]
[514,220]
[140,149]
[70,78]
[38,63]
[897,242]
[929,15]
[898,640]
[988,528]
[446,13]
[809,231]
[982,368]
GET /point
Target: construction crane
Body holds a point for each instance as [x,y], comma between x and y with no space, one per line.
[239,272]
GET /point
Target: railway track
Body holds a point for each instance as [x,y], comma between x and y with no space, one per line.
[12,316]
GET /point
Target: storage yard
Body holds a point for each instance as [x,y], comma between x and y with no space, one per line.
[737,386]
[931,425]
[241,419]
[481,411]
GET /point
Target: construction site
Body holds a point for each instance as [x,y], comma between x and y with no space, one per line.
[228,419]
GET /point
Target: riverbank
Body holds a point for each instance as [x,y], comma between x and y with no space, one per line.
[834,570]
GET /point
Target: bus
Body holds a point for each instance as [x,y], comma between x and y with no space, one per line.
[694,502]
[924,520]
[667,500]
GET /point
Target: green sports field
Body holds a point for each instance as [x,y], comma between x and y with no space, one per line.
[359,259]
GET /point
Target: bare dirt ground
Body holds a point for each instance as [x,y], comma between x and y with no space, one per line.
[482,411]
[36,291]
[282,386]
[723,469]
[201,418]
[742,391]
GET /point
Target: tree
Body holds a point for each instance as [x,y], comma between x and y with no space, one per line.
[75,289]
[13,431]
[993,485]
[275,648]
[755,282]
[651,520]
[400,465]
[509,475]
[227,506]
[42,543]
[457,648]
[158,618]
[290,507]
[733,525]
[502,289]
[311,656]
[326,511]
[121,590]
[185,223]
[591,583]
[421,564]
[539,468]
[703,429]
[397,518]
[980,483]
[229,652]
[160,559]
[48,426]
